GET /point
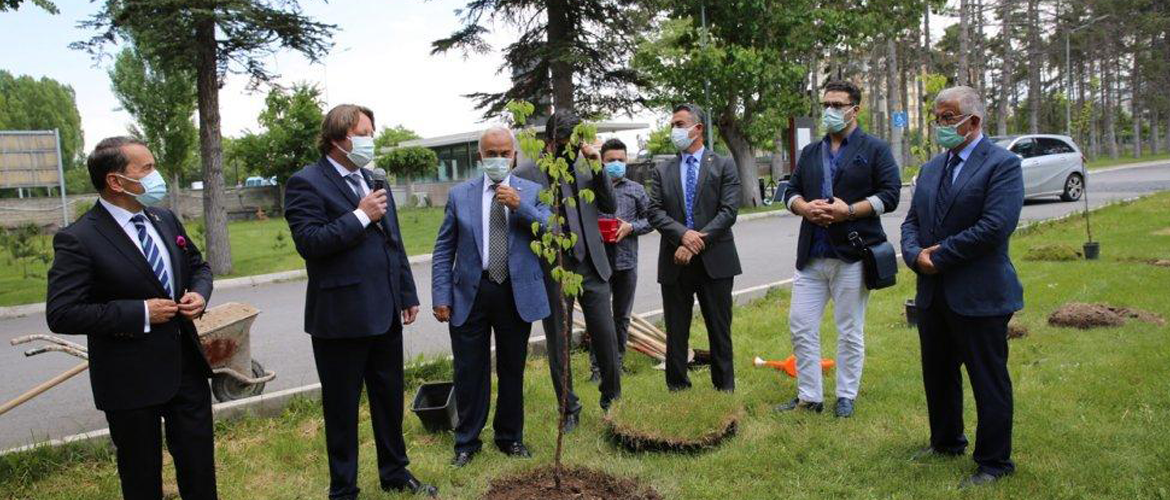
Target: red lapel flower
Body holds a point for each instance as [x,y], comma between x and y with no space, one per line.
[181,241]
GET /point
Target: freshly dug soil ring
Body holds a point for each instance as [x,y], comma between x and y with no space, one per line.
[639,441]
[1016,331]
[1086,316]
[1052,253]
[576,484]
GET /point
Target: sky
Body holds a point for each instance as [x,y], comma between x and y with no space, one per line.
[380,58]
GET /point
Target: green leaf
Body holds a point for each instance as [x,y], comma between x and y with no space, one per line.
[535,246]
[535,228]
[587,195]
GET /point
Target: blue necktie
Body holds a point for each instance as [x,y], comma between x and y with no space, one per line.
[153,256]
[944,187]
[692,179]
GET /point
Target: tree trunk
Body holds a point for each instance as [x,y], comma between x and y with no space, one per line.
[980,50]
[176,191]
[219,250]
[745,160]
[878,124]
[1034,66]
[904,105]
[1134,108]
[894,98]
[1006,85]
[1107,68]
[409,191]
[815,88]
[776,166]
[1097,101]
[560,35]
[1154,136]
[963,77]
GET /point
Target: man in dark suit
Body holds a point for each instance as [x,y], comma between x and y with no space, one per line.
[694,200]
[129,278]
[486,279]
[360,295]
[587,258]
[843,183]
[956,238]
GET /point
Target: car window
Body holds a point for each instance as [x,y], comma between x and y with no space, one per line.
[1050,146]
[1025,148]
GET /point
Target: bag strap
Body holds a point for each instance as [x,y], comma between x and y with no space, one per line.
[855,240]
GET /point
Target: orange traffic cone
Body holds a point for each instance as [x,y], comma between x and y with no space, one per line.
[789,365]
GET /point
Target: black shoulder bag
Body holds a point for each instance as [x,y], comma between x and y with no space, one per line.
[879,261]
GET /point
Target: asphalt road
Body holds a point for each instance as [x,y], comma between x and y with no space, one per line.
[766,248]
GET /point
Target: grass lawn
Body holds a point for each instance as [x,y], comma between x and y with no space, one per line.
[1105,161]
[1090,415]
[256,249]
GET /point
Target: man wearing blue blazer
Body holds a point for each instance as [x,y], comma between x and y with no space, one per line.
[486,279]
[360,295]
[955,238]
[842,185]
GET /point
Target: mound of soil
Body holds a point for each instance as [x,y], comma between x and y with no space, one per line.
[636,441]
[1016,330]
[1052,253]
[1086,316]
[576,484]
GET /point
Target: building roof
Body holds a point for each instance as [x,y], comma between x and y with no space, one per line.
[473,136]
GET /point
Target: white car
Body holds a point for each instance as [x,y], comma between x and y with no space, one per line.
[1053,165]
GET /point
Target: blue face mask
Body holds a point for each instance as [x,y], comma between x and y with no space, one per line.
[496,168]
[615,169]
[154,188]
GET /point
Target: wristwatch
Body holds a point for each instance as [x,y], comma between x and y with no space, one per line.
[852,214]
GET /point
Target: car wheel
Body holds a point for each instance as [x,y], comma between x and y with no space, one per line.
[1074,187]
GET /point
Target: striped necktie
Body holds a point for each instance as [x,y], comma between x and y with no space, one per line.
[153,255]
[944,187]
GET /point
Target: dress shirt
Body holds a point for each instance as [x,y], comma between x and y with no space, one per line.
[122,218]
[345,173]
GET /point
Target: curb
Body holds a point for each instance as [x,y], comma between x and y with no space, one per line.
[300,274]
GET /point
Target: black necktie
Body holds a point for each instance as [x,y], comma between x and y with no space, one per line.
[497,242]
[944,187]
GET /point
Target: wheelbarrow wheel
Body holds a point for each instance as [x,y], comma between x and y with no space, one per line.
[225,388]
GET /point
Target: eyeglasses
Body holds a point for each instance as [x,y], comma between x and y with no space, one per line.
[836,105]
[947,120]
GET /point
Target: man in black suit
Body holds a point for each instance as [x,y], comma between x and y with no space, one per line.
[956,238]
[587,258]
[694,200]
[842,185]
[360,294]
[129,278]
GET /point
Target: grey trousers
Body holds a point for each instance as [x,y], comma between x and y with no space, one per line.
[623,284]
[596,302]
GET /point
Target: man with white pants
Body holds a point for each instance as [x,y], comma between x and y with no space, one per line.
[842,185]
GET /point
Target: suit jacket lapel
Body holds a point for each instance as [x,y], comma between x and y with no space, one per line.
[673,183]
[475,202]
[847,157]
[331,173]
[706,163]
[173,251]
[968,170]
[108,227]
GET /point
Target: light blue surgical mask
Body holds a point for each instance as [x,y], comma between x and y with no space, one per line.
[363,150]
[496,168]
[154,188]
[615,169]
[681,137]
[833,120]
[948,136]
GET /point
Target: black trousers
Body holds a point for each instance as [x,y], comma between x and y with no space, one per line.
[597,304]
[137,436]
[980,343]
[494,311]
[678,306]
[344,365]
[623,284]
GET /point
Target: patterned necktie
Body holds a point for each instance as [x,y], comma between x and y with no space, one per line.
[692,179]
[497,241]
[944,187]
[355,182]
[153,256]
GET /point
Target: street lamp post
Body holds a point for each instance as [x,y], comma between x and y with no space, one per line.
[1068,72]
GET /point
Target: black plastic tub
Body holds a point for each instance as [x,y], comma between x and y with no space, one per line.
[434,403]
[911,313]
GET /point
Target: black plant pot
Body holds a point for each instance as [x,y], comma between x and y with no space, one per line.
[1092,250]
[911,313]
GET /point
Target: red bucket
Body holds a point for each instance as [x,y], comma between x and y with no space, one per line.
[609,229]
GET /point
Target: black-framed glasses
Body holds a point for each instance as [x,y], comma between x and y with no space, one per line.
[948,120]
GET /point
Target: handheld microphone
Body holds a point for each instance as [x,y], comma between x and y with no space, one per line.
[379,176]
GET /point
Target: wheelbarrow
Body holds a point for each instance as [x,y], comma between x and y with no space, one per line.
[223,334]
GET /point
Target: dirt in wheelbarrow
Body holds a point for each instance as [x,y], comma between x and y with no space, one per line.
[576,484]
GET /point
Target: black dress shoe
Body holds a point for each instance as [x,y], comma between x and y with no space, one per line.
[571,421]
[412,485]
[979,478]
[844,408]
[463,458]
[930,452]
[516,450]
[797,404]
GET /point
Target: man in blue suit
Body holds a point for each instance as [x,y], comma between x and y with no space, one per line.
[486,279]
[360,294]
[956,238]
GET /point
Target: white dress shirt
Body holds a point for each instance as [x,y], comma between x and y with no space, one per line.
[122,218]
[362,191]
[489,195]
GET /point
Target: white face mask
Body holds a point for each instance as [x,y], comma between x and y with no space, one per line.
[363,150]
[681,137]
[496,168]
